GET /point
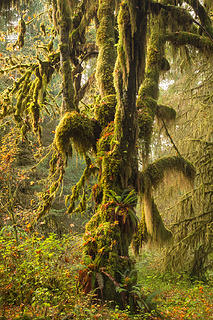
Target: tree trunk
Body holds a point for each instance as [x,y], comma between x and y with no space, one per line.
[108,235]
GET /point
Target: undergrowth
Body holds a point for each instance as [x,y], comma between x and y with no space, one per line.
[39,280]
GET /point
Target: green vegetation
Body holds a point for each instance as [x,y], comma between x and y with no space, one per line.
[106,150]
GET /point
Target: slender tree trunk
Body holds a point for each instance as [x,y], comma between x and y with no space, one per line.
[68,100]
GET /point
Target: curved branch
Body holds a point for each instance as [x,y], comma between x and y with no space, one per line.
[156,171]
[170,138]
[183,38]
[79,129]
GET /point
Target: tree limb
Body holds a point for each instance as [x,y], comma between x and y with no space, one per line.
[183,38]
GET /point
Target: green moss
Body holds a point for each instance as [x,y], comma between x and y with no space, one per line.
[183,38]
[104,143]
[78,129]
[156,171]
[105,110]
[106,44]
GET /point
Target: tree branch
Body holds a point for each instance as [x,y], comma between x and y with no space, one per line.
[183,38]
[170,138]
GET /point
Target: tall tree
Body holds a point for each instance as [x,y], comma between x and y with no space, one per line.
[128,83]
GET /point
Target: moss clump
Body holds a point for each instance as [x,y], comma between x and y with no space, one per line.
[111,165]
[105,111]
[79,129]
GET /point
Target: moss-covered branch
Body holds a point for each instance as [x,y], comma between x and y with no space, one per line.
[77,129]
[165,113]
[106,44]
[186,38]
[156,172]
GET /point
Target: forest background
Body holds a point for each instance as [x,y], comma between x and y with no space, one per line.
[63,162]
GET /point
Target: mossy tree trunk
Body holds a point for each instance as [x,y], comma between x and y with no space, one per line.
[109,233]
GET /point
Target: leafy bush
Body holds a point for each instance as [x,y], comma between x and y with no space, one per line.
[38,271]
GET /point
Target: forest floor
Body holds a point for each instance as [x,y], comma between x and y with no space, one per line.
[38,281]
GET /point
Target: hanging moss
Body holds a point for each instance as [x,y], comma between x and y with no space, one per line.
[78,191]
[80,130]
[22,85]
[140,237]
[105,110]
[164,66]
[157,232]
[155,172]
